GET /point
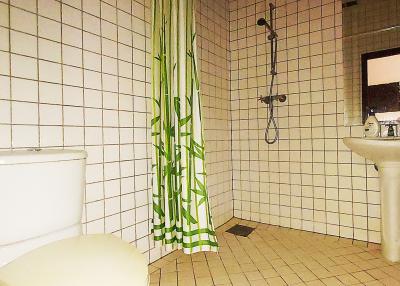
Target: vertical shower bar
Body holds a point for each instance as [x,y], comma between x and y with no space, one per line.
[269,99]
[271,10]
[271,19]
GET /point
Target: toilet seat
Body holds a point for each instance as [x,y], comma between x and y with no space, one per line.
[89,260]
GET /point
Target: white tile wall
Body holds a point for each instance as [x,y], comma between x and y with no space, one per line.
[213,41]
[309,180]
[67,82]
[76,74]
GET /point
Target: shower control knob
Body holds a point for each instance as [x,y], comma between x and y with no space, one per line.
[281,98]
[263,99]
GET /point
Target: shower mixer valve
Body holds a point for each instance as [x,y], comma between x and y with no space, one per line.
[268,99]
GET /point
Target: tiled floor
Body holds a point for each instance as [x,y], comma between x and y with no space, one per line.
[277,256]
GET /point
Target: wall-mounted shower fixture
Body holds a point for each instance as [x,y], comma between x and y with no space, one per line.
[270,98]
[263,22]
[272,37]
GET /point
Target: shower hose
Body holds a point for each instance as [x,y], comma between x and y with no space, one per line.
[271,118]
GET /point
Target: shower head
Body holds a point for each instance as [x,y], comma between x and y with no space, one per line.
[263,22]
[270,26]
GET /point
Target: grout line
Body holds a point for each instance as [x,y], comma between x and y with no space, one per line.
[84,118]
[10,74]
[135,238]
[119,229]
[37,73]
[102,118]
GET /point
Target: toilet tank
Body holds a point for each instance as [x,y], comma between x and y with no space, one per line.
[41,198]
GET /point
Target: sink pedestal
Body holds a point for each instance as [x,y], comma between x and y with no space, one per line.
[389,180]
[385,153]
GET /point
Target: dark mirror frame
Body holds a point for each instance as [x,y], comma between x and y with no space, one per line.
[364,75]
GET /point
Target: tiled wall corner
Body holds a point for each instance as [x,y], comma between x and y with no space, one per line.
[309,180]
[213,41]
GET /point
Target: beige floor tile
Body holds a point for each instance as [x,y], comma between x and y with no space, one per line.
[170,277]
[183,275]
[291,279]
[276,281]
[277,256]
[277,263]
[169,267]
[363,276]
[200,256]
[233,268]
[152,268]
[186,282]
[253,275]
[247,267]
[322,273]
[307,276]
[315,283]
[259,283]
[263,265]
[221,280]
[332,281]
[389,281]
[337,270]
[269,273]
[374,283]
[168,283]
[351,267]
[377,273]
[239,279]
[206,281]
[284,270]
[155,275]
[347,279]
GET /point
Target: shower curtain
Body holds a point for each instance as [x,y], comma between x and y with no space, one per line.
[181,212]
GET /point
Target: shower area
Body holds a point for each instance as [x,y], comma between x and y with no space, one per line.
[306,179]
[272,90]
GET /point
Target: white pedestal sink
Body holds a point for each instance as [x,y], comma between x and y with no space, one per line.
[385,153]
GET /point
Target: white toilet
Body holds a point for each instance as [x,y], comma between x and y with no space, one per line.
[41,241]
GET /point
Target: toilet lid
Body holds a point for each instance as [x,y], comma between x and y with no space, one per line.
[90,260]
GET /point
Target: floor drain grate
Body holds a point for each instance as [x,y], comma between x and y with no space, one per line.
[241,230]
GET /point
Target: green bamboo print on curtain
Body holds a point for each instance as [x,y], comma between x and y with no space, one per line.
[181,213]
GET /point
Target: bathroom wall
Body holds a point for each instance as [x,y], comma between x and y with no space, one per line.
[212,28]
[364,31]
[309,180]
[76,74]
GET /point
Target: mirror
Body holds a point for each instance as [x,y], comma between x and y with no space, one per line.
[381,84]
[370,26]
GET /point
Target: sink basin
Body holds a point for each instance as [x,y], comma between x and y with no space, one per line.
[385,153]
[379,150]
